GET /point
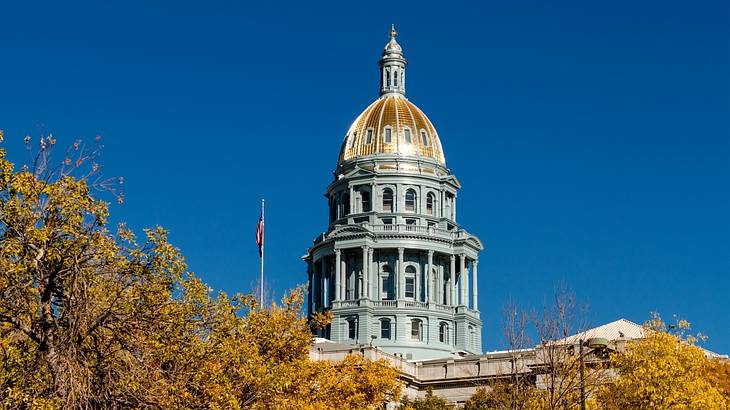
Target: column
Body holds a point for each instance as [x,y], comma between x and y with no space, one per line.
[323,281]
[429,279]
[343,279]
[400,276]
[475,304]
[365,272]
[372,278]
[352,200]
[453,205]
[464,281]
[452,282]
[338,294]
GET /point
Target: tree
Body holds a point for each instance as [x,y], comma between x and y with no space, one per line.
[562,364]
[720,377]
[429,402]
[665,369]
[506,396]
[93,319]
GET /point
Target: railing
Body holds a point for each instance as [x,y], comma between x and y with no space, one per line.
[417,229]
[395,304]
[384,303]
[413,304]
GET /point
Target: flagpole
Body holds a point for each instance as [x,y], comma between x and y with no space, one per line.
[263,232]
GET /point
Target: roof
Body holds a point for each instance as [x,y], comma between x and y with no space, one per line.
[621,328]
[392,125]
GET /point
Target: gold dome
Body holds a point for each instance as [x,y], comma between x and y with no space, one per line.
[411,132]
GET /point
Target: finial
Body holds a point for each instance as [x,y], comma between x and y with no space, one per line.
[393,33]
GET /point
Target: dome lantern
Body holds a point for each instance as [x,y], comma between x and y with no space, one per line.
[393,67]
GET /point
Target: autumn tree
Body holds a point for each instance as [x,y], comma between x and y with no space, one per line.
[429,402]
[91,318]
[664,370]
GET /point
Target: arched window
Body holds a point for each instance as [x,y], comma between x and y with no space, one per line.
[395,79]
[407,136]
[388,139]
[387,78]
[424,138]
[387,200]
[416,330]
[430,199]
[443,332]
[410,201]
[385,329]
[345,204]
[365,199]
[410,289]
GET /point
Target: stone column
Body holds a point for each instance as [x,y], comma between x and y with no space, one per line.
[429,279]
[452,282]
[338,272]
[464,281]
[365,272]
[453,207]
[323,280]
[474,300]
[343,278]
[352,200]
[373,278]
[400,276]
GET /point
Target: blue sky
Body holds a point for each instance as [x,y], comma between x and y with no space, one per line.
[592,140]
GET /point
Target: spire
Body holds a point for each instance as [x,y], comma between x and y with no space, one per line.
[393,67]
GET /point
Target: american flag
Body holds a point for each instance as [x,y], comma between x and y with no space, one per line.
[260,234]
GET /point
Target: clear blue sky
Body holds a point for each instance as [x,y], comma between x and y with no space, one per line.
[592,140]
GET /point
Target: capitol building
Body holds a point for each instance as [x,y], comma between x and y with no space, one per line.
[395,267]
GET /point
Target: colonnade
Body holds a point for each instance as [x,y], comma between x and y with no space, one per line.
[352,274]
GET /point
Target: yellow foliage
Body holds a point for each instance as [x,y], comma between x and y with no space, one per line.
[93,319]
[662,371]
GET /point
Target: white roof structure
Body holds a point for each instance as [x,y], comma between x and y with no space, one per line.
[618,329]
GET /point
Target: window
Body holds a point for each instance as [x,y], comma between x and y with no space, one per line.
[443,332]
[387,200]
[387,78]
[429,203]
[369,137]
[395,79]
[410,281]
[365,198]
[410,200]
[424,138]
[346,204]
[352,140]
[407,136]
[387,221]
[388,136]
[385,329]
[411,221]
[416,330]
[352,328]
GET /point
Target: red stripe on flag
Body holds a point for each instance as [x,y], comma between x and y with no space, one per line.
[260,233]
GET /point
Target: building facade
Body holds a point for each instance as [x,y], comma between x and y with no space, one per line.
[395,268]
